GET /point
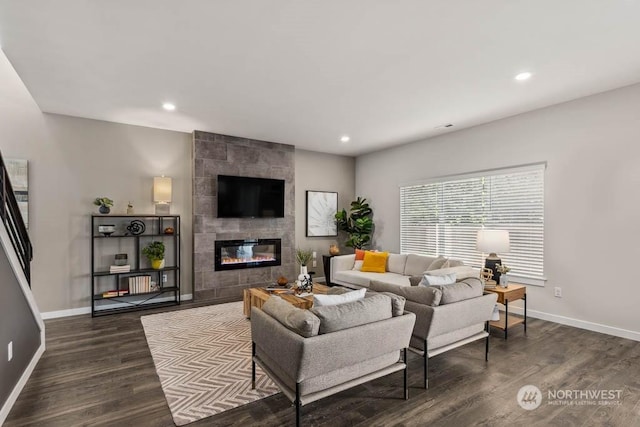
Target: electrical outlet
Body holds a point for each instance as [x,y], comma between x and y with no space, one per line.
[315,254]
[9,351]
[164,278]
[314,263]
[557,292]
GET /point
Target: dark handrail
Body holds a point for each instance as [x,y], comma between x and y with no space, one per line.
[12,219]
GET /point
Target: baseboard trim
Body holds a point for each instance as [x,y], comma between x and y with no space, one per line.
[582,324]
[8,404]
[87,310]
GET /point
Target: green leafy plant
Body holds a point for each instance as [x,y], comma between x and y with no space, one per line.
[103,201]
[502,269]
[303,256]
[358,223]
[154,251]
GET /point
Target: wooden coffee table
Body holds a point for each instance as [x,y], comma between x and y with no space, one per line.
[256,297]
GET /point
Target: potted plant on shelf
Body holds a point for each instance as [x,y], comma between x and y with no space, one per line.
[303,256]
[105,204]
[154,251]
[358,224]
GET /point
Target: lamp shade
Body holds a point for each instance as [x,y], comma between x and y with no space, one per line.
[162,189]
[492,241]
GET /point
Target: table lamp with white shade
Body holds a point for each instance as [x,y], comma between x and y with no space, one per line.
[493,242]
[162,194]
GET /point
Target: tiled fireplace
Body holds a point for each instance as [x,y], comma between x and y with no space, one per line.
[223,280]
[248,253]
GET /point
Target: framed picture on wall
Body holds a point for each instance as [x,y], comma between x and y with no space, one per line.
[322,207]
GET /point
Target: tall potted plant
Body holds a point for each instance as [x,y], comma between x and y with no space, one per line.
[154,251]
[358,223]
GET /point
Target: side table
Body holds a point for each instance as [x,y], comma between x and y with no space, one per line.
[326,264]
[506,295]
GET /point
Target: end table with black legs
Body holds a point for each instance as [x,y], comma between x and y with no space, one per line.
[505,296]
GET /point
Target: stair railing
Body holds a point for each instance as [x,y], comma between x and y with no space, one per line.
[13,222]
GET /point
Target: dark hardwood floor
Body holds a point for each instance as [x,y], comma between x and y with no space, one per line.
[100,372]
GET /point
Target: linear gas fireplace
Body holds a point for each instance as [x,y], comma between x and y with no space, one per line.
[250,253]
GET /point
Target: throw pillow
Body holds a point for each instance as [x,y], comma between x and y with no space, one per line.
[357,265]
[446,279]
[300,321]
[461,272]
[438,263]
[325,300]
[359,254]
[375,262]
[397,303]
[367,310]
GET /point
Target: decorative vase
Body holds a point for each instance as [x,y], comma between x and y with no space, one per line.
[157,264]
[303,269]
[334,250]
[504,280]
[104,210]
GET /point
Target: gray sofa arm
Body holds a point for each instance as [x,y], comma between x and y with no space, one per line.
[434,321]
[341,263]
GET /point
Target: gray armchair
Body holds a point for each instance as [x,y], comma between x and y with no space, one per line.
[447,316]
[309,368]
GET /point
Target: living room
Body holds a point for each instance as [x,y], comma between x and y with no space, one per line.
[584,131]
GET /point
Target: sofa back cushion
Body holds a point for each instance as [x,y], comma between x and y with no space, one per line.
[426,295]
[397,303]
[459,291]
[417,264]
[440,262]
[396,263]
[337,317]
[300,321]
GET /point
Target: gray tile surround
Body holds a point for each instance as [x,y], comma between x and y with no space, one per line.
[213,155]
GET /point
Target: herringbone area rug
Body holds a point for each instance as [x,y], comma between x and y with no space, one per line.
[203,358]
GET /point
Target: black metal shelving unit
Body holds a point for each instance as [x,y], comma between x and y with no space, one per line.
[167,279]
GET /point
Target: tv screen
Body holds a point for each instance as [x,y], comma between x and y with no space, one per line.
[244,197]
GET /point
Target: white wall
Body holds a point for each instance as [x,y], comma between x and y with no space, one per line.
[592,146]
[322,172]
[72,161]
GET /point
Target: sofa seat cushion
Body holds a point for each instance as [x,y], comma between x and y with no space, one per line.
[460,291]
[361,278]
[300,321]
[426,295]
[338,317]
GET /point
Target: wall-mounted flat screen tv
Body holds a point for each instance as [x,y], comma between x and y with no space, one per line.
[245,197]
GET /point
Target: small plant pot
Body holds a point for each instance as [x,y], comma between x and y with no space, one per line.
[104,210]
[157,264]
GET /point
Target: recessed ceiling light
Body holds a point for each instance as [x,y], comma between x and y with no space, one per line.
[345,138]
[168,106]
[523,76]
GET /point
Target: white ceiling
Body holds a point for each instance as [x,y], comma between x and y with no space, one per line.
[306,72]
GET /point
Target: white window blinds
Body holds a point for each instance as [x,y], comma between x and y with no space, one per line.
[442,217]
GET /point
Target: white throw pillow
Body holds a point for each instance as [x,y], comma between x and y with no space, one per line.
[357,266]
[462,272]
[446,279]
[323,300]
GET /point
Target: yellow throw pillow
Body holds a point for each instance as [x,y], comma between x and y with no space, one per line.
[375,262]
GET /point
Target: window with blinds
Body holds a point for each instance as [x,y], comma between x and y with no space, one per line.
[442,217]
